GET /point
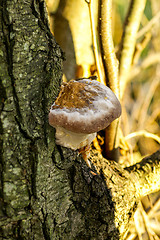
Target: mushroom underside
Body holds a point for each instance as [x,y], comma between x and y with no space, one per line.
[73,140]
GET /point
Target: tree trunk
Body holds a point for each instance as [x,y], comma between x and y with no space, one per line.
[47,191]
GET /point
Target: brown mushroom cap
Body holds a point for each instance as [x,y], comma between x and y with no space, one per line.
[84,106]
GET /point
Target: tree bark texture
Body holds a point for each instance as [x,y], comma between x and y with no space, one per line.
[48,192]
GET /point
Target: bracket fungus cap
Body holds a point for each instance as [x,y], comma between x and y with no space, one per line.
[83,107]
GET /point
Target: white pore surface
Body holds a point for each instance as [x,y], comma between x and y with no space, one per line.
[73,140]
[101,106]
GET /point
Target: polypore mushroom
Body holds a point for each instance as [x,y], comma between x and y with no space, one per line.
[81,109]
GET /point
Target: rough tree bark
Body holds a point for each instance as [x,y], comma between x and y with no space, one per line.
[47,191]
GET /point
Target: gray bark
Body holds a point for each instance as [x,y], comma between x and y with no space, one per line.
[47,191]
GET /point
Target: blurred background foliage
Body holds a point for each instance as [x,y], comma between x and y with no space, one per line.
[140,121]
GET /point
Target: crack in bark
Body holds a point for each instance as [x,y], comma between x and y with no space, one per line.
[24,133]
[3,96]
[38,11]
[44,226]
[33,161]
[1,154]
[45,115]
[7,28]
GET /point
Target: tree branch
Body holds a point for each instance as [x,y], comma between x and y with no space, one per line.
[106,41]
[128,41]
[146,174]
[110,63]
[150,60]
[128,185]
[149,25]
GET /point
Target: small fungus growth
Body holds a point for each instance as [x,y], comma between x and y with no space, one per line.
[81,109]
